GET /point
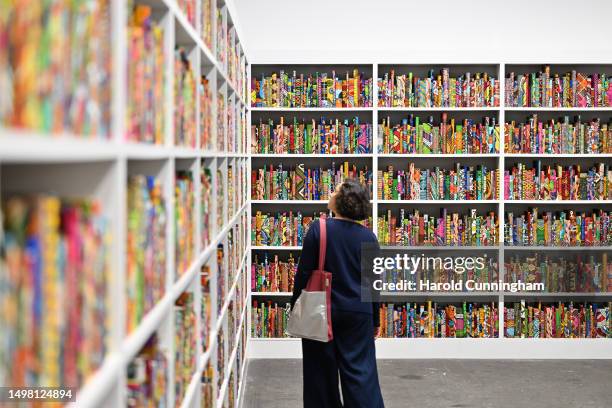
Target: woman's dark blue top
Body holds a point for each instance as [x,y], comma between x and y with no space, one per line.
[343,260]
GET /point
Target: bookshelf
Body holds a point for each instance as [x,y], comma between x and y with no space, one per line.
[478,348]
[71,163]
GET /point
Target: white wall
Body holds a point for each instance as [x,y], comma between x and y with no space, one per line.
[425,31]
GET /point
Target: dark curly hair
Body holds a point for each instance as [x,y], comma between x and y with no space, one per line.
[353,200]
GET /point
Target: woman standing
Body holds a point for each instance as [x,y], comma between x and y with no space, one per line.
[355,324]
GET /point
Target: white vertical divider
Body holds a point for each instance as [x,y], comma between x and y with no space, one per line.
[249,243]
[502,211]
[119,50]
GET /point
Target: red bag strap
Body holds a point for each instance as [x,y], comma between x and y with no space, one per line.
[322,242]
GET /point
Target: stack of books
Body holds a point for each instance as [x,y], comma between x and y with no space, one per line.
[412,135]
[438,90]
[56,77]
[431,320]
[558,183]
[560,228]
[56,255]
[566,321]
[460,183]
[147,376]
[145,248]
[184,100]
[301,183]
[184,222]
[145,78]
[449,229]
[269,319]
[558,137]
[321,90]
[308,137]
[573,273]
[272,275]
[553,90]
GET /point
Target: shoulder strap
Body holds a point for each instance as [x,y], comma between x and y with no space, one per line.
[322,242]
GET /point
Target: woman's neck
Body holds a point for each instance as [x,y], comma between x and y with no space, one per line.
[339,217]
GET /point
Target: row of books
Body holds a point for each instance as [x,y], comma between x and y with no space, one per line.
[188,7]
[147,376]
[575,273]
[272,275]
[185,89]
[145,78]
[321,90]
[430,320]
[220,357]
[563,320]
[301,183]
[221,276]
[269,319]
[184,222]
[449,229]
[438,90]
[207,22]
[221,212]
[280,229]
[448,137]
[559,228]
[558,137]
[307,137]
[554,90]
[55,255]
[146,247]
[205,94]
[205,307]
[558,183]
[206,206]
[221,39]
[56,77]
[460,183]
[207,393]
[221,121]
[185,344]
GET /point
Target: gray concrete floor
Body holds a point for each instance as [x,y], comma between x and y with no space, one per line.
[452,383]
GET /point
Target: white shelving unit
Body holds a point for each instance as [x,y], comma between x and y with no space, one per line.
[436,348]
[73,165]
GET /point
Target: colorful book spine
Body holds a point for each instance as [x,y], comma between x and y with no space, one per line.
[207,22]
[269,319]
[147,377]
[184,100]
[281,229]
[206,136]
[205,308]
[206,215]
[221,39]
[412,135]
[454,229]
[300,183]
[185,344]
[56,254]
[145,78]
[576,273]
[558,137]
[207,388]
[458,183]
[221,276]
[560,228]
[320,90]
[314,136]
[558,183]
[544,89]
[271,274]
[221,121]
[53,80]
[188,7]
[221,213]
[431,320]
[145,248]
[560,320]
[466,90]
[184,197]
